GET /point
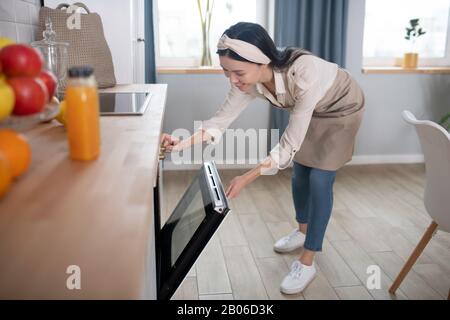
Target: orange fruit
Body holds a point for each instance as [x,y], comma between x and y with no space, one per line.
[5,174]
[16,149]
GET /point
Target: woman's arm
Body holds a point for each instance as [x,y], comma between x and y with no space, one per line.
[239,182]
[198,137]
[211,130]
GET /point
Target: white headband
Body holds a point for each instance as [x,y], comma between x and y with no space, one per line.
[244,49]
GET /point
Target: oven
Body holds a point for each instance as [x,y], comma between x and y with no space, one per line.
[195,219]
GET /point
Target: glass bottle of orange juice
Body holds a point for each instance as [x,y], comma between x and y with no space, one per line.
[82,114]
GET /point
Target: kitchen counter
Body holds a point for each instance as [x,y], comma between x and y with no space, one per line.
[96,215]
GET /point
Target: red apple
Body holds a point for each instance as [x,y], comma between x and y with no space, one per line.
[50,81]
[19,60]
[31,95]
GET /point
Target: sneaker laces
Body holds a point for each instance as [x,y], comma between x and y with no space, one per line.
[296,270]
[290,236]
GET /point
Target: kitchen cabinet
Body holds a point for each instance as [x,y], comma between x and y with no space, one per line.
[95,217]
[91,230]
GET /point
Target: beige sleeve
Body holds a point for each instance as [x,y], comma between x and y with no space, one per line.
[235,102]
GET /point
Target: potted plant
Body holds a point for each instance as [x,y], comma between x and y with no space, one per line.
[205,19]
[414,31]
[445,121]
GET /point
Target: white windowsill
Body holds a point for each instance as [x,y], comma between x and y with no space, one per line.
[400,70]
[189,70]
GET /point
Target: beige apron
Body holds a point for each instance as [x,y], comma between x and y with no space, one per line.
[330,139]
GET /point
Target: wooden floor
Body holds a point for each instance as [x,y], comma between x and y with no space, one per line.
[378,218]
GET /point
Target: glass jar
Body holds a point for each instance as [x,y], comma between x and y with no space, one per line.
[55,56]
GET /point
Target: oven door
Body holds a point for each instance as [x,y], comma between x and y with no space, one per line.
[187,231]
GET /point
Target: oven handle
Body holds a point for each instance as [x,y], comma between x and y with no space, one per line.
[215,187]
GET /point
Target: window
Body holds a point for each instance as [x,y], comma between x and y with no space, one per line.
[385,30]
[178,29]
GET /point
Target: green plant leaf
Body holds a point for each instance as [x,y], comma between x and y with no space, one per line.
[445,121]
[415,30]
[445,118]
[414,22]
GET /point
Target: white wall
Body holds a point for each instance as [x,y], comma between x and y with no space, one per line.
[197,97]
[19,19]
[384,136]
[118,27]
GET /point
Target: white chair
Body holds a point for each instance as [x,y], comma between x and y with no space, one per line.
[435,142]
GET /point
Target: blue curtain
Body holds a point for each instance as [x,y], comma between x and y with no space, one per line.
[150,68]
[319,26]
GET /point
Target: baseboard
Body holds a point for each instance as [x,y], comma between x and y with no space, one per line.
[357,160]
[387,159]
[170,166]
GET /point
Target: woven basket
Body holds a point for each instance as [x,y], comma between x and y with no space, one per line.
[87,45]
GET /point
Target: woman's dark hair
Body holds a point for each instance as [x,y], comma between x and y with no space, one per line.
[255,34]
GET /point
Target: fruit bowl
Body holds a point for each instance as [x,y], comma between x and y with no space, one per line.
[22,123]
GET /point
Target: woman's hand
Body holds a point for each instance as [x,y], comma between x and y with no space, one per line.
[239,182]
[169,142]
[172,144]
[236,185]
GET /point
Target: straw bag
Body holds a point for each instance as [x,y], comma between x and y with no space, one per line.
[87,43]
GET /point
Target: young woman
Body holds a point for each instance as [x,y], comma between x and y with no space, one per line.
[326,106]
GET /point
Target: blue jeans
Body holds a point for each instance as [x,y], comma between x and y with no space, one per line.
[312,190]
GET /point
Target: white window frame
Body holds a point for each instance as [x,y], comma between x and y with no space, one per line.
[423,62]
[264,9]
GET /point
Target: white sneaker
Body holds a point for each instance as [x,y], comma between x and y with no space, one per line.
[298,279]
[292,241]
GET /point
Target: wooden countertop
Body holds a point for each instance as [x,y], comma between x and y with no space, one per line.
[96,215]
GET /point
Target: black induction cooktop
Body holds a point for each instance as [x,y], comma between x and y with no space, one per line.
[118,104]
